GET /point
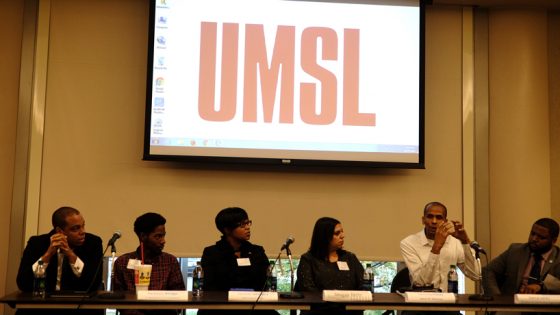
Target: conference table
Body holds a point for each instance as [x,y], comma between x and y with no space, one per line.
[219,300]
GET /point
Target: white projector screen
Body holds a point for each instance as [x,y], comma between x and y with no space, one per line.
[286,82]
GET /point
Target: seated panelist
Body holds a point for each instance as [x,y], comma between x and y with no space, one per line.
[166,272]
[70,255]
[327,266]
[429,253]
[234,262]
[532,267]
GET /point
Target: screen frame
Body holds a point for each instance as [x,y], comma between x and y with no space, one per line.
[282,162]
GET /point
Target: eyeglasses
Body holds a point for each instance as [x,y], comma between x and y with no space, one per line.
[245,223]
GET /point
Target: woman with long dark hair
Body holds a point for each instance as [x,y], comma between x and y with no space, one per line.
[327,266]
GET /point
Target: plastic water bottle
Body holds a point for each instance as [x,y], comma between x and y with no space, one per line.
[271,277]
[368,279]
[452,280]
[40,283]
[198,280]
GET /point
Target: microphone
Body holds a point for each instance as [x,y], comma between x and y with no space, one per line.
[113,239]
[477,247]
[292,294]
[288,242]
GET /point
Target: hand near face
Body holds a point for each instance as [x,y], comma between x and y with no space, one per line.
[444,229]
[460,232]
[62,242]
[58,241]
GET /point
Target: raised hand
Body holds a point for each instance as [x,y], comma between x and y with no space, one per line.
[444,229]
[460,232]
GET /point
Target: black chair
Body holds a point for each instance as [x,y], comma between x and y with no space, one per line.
[401,282]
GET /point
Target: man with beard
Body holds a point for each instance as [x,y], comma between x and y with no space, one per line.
[429,253]
[530,267]
[166,272]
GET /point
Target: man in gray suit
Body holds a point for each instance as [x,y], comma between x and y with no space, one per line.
[532,267]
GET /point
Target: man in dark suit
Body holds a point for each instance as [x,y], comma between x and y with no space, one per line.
[532,267]
[71,256]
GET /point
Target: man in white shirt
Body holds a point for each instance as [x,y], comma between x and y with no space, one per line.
[429,253]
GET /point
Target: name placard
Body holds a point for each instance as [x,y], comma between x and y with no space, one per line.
[536,299]
[347,296]
[429,297]
[251,296]
[162,295]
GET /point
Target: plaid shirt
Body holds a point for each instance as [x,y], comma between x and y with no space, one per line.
[166,273]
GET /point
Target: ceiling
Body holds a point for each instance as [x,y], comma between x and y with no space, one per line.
[549,4]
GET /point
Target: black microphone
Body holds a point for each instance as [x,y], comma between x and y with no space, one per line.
[113,239]
[477,247]
[111,294]
[288,242]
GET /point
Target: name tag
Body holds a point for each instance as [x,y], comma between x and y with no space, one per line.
[429,297]
[252,296]
[342,265]
[243,262]
[132,263]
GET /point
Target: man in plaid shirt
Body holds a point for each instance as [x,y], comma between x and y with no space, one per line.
[166,272]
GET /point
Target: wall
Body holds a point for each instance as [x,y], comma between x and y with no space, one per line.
[519,154]
[11,20]
[94,128]
[554,101]
[93,146]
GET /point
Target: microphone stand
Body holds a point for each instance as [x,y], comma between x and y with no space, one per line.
[292,294]
[110,294]
[113,254]
[482,295]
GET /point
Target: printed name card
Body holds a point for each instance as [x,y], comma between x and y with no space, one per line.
[429,297]
[162,295]
[536,299]
[251,296]
[347,296]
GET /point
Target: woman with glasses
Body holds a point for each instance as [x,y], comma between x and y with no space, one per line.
[326,266]
[233,262]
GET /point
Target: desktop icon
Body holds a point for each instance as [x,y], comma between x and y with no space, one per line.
[159,102]
[161,40]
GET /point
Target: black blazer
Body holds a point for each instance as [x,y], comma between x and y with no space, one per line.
[221,272]
[91,253]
